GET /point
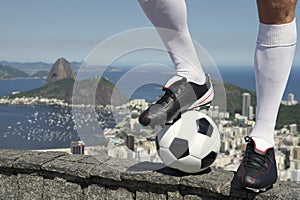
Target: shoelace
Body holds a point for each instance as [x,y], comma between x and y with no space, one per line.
[252,159]
[166,97]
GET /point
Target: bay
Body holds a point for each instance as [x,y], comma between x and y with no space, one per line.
[19,85]
[244,77]
[47,127]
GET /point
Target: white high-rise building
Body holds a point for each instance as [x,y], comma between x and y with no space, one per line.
[291,97]
[250,113]
[246,104]
[293,128]
[291,100]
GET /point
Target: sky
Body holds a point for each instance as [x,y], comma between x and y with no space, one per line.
[35,30]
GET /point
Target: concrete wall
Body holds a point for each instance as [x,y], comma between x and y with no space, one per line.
[57,175]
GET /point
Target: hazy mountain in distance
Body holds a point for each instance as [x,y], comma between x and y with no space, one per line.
[8,72]
[33,67]
[61,69]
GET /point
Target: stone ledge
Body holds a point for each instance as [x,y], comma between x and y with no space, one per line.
[57,175]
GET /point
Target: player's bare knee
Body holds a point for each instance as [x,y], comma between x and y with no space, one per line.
[276,11]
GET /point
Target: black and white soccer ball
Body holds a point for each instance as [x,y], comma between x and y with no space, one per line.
[191,144]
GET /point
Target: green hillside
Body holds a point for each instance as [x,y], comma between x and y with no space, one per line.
[235,98]
[8,72]
[40,74]
[63,90]
[287,114]
[60,90]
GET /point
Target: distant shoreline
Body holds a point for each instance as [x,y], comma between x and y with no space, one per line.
[20,78]
[34,101]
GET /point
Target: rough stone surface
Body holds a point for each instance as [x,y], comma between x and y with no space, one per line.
[56,175]
[119,193]
[30,187]
[149,196]
[8,157]
[35,160]
[59,188]
[94,192]
[174,196]
[192,197]
[8,185]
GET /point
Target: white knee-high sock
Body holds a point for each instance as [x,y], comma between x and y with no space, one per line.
[170,19]
[273,60]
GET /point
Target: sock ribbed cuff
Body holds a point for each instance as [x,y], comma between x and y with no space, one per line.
[277,34]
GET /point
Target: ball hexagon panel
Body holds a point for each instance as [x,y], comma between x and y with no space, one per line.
[200,145]
[186,127]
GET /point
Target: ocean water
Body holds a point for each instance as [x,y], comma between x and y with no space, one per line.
[17,85]
[46,127]
[35,127]
[240,76]
[244,77]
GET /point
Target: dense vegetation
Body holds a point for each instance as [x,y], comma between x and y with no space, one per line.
[60,90]
[40,74]
[63,90]
[287,114]
[235,98]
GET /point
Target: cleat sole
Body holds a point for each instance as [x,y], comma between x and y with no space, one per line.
[257,190]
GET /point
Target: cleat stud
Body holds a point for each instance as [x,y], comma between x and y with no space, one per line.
[252,189]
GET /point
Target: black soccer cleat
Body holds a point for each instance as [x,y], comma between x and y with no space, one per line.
[258,170]
[179,96]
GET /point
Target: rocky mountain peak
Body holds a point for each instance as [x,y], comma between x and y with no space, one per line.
[61,69]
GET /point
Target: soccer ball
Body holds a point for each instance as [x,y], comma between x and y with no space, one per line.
[191,144]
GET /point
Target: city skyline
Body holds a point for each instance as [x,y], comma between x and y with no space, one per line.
[43,31]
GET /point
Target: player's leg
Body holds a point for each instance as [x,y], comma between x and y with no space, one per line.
[274,54]
[170,19]
[190,87]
